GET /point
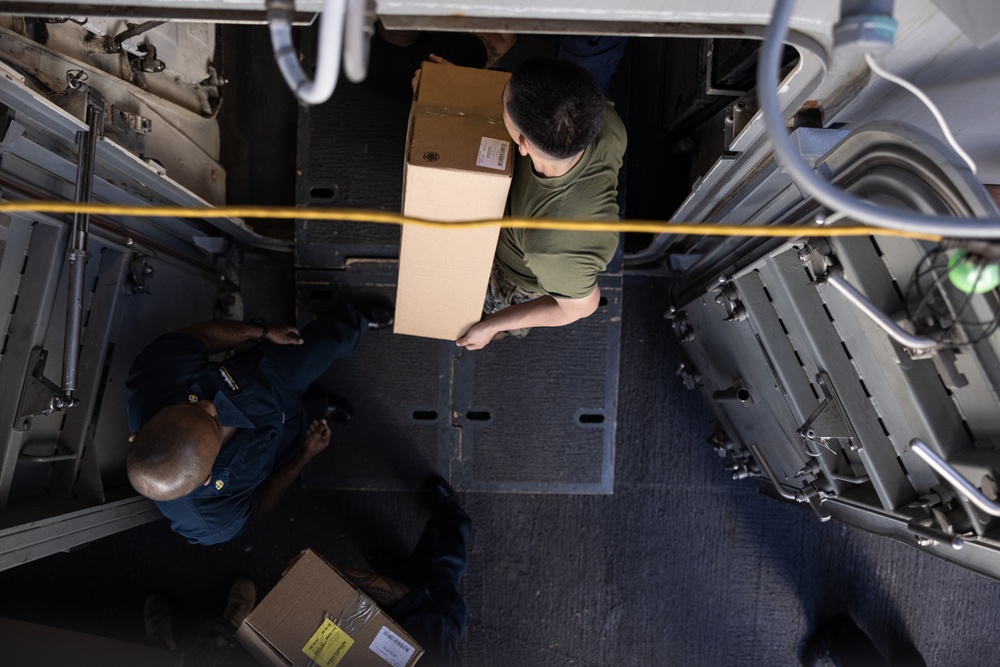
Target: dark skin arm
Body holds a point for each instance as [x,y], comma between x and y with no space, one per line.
[278,482]
[219,335]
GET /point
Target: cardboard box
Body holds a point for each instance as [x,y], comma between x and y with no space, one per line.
[314,616]
[458,166]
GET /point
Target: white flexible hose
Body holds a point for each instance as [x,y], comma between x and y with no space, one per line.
[768,74]
[329,48]
[357,41]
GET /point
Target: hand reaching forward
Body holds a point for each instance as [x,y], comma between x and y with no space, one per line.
[416,74]
[317,439]
[284,334]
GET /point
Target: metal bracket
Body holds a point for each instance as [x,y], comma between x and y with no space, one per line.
[130,122]
[944,362]
[927,535]
[147,63]
[688,375]
[808,494]
[815,256]
[827,421]
[139,271]
[729,299]
[39,396]
[679,322]
[742,465]
[742,113]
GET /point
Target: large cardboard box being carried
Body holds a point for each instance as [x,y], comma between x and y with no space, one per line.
[314,616]
[458,167]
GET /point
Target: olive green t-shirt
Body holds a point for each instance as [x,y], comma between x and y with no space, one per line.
[564,263]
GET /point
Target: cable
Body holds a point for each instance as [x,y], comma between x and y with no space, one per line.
[922,96]
[382,217]
[768,77]
[938,313]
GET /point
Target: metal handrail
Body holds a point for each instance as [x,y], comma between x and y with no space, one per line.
[896,332]
[953,477]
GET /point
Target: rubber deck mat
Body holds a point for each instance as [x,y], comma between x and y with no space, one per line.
[537,415]
[350,155]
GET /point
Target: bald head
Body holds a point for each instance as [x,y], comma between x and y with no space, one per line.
[172,454]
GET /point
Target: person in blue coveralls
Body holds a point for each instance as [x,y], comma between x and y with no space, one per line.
[218,444]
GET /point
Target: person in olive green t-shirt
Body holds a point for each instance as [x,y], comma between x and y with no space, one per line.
[571,145]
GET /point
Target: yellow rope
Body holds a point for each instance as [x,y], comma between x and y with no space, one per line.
[382,217]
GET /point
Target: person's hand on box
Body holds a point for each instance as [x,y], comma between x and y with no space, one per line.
[434,59]
[478,336]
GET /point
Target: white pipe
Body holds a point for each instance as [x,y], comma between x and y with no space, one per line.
[357,41]
[328,50]
[768,75]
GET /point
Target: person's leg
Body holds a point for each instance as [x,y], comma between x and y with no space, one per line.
[441,554]
[213,641]
[501,292]
[841,643]
[433,612]
[158,617]
[333,335]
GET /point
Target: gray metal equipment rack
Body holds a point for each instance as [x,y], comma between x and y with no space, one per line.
[820,385]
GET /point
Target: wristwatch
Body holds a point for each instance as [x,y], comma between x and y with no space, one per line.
[265,329]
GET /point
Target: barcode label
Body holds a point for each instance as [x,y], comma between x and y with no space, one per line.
[392,648]
[493,153]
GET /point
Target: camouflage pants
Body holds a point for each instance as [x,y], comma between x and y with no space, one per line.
[502,292]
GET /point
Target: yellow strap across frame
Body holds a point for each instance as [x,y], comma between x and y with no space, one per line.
[383,217]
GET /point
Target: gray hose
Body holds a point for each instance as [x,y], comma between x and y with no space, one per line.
[768,72]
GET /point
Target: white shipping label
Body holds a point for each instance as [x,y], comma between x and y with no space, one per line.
[391,647]
[493,153]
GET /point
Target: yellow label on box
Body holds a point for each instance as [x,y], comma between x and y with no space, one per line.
[328,645]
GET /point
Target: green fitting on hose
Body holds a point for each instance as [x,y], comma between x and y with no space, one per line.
[972,275]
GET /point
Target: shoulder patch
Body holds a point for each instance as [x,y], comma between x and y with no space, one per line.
[228,379]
